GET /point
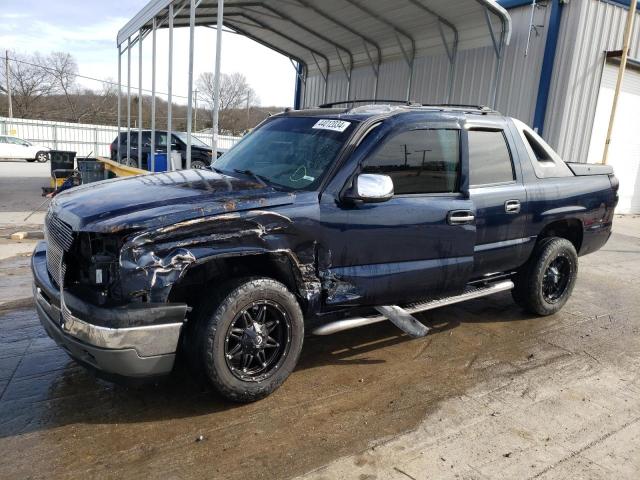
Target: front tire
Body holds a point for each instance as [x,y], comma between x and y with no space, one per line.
[249,338]
[545,284]
[198,164]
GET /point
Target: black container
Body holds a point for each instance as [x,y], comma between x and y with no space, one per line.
[62,160]
[91,170]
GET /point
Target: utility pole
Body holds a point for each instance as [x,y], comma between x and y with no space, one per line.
[623,65]
[7,73]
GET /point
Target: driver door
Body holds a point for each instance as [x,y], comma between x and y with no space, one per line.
[416,245]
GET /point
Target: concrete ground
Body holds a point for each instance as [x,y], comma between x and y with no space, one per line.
[21,185]
[491,393]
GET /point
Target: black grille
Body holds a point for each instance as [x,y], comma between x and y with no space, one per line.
[59,238]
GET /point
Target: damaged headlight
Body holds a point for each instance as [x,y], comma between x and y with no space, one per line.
[97,265]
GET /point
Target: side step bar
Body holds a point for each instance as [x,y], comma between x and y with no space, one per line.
[469,294]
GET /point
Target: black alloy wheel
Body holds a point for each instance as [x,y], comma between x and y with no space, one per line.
[556,279]
[257,341]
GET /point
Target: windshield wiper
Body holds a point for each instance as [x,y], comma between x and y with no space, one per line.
[260,178]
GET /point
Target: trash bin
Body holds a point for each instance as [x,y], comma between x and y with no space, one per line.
[160,164]
[91,170]
[62,166]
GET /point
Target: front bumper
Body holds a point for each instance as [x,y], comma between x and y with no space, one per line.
[137,341]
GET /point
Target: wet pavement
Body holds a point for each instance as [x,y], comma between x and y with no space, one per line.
[491,393]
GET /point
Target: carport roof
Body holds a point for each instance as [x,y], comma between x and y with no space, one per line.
[331,35]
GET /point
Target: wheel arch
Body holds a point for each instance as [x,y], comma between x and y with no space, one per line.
[282,266]
[570,229]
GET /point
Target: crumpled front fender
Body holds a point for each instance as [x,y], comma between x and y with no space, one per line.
[152,261]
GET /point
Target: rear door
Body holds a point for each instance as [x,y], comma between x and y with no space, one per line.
[499,197]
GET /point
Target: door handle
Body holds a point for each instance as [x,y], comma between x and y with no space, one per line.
[512,206]
[460,217]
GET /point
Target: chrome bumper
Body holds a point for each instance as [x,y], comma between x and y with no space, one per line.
[147,341]
[136,341]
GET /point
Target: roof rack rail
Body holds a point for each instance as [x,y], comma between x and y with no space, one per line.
[482,108]
[368,100]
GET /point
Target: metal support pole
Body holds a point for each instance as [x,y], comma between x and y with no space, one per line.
[140,99]
[119,154]
[7,76]
[498,47]
[248,110]
[153,95]
[129,99]
[195,110]
[192,23]
[169,87]
[216,83]
[623,65]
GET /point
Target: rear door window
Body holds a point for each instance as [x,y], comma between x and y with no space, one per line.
[419,161]
[489,158]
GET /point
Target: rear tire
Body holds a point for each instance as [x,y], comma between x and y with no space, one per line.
[42,157]
[545,283]
[248,338]
[198,164]
[131,162]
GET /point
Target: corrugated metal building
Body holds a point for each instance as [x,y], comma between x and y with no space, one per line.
[563,86]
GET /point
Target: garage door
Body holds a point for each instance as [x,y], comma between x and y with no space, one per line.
[624,152]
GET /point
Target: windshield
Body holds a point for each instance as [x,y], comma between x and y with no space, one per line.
[290,152]
[196,142]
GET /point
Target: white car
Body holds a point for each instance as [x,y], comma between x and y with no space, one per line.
[14,147]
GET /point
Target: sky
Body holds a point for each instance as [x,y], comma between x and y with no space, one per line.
[87,29]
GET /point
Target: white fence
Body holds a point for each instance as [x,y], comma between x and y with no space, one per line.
[84,139]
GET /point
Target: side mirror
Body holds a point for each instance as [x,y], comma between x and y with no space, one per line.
[372,188]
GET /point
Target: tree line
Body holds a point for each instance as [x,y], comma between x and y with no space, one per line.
[46,87]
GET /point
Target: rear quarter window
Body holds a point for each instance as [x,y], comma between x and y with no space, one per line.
[546,162]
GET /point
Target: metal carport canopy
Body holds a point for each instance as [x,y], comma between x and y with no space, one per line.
[327,36]
[322,36]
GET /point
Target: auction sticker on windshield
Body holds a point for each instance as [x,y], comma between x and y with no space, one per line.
[335,125]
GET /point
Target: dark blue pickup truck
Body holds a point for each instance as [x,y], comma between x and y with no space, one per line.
[320,221]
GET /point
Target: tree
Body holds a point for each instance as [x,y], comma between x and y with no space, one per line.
[29,83]
[235,94]
[64,70]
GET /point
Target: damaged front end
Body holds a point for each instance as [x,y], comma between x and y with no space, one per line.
[153,262]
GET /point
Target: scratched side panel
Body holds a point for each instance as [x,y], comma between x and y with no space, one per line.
[397,251]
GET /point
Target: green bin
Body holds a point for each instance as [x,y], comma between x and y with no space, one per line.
[91,170]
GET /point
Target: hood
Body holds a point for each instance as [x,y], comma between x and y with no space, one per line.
[160,199]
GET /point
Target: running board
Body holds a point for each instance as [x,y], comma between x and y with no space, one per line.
[469,294]
[404,320]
